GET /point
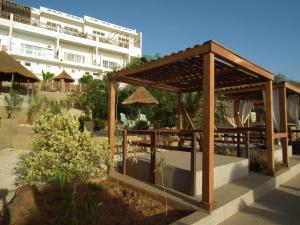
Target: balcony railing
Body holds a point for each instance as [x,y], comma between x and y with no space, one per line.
[33,53]
[38,23]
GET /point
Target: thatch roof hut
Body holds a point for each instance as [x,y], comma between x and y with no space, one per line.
[65,77]
[140,96]
[12,70]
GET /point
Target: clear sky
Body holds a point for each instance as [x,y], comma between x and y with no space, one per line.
[264,31]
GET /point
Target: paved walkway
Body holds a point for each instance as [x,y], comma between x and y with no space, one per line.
[280,206]
[8,160]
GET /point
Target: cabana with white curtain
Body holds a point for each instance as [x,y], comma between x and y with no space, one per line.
[285,99]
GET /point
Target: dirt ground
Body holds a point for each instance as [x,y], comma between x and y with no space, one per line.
[104,203]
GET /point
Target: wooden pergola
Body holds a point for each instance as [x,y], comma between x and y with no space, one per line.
[207,68]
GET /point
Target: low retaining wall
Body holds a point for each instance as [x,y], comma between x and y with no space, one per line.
[15,136]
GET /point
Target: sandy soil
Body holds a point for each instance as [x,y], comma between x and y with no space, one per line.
[113,205]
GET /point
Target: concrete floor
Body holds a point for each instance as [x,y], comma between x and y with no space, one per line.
[280,206]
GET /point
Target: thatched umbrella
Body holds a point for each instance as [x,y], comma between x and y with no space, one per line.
[140,97]
[13,71]
[63,78]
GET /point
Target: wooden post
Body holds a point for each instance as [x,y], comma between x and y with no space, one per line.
[247,138]
[284,127]
[27,87]
[193,163]
[12,81]
[269,127]
[247,143]
[180,100]
[32,91]
[153,157]
[208,201]
[111,119]
[124,147]
[238,146]
[180,124]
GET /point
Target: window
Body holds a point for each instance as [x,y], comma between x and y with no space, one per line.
[110,64]
[52,26]
[71,30]
[99,33]
[27,64]
[74,57]
[33,50]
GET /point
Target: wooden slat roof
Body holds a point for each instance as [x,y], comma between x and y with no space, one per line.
[254,91]
[183,71]
[9,66]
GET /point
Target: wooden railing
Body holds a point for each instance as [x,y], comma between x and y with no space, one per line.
[160,139]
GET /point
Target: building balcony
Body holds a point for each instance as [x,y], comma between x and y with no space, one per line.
[34,54]
[106,40]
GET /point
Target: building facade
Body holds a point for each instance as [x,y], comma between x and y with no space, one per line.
[51,41]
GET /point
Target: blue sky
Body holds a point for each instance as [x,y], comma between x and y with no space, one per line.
[264,31]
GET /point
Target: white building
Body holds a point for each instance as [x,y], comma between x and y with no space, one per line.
[49,40]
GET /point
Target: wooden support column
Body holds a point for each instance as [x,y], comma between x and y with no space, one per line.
[12,81]
[111,119]
[180,100]
[27,87]
[208,201]
[32,90]
[124,152]
[193,163]
[283,124]
[269,127]
[180,122]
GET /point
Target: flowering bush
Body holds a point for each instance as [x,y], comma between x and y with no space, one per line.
[60,148]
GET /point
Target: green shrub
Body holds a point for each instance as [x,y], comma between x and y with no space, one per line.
[60,148]
[13,103]
[257,163]
[99,124]
[296,147]
[141,125]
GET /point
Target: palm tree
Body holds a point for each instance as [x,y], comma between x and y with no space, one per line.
[47,77]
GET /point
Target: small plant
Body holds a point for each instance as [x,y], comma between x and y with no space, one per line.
[160,169]
[36,105]
[99,124]
[57,107]
[141,125]
[257,163]
[13,103]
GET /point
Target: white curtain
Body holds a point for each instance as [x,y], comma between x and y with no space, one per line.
[245,107]
[229,110]
[276,107]
[293,109]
